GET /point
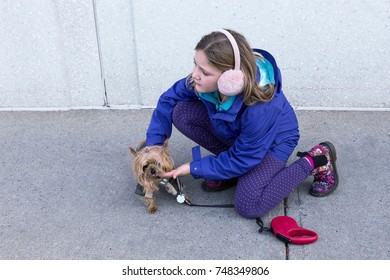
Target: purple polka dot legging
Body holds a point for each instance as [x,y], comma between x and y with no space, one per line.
[259,190]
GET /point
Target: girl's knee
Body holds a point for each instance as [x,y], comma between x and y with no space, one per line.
[186,113]
[178,112]
[249,211]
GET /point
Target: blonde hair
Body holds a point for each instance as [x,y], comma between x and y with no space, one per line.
[219,52]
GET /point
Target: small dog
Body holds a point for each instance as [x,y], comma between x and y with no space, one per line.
[148,162]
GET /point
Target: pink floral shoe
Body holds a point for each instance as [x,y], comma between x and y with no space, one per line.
[218,185]
[325,177]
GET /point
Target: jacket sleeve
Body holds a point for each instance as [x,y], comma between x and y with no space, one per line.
[160,127]
[249,149]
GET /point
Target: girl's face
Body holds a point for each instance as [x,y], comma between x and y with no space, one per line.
[204,75]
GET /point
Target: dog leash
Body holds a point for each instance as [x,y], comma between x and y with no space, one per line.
[181,198]
[284,228]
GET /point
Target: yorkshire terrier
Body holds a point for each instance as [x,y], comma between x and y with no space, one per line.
[148,163]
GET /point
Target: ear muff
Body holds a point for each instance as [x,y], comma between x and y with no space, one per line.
[231,82]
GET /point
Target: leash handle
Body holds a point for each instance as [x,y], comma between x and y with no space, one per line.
[286,229]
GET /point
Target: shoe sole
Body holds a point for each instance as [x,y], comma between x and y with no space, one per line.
[333,158]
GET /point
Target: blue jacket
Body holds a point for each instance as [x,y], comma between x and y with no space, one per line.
[263,128]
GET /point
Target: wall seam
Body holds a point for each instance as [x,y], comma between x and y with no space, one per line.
[135,54]
[102,74]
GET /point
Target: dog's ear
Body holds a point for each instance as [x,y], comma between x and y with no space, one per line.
[165,144]
[141,145]
[132,151]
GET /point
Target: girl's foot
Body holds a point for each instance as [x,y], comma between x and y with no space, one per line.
[325,176]
[218,185]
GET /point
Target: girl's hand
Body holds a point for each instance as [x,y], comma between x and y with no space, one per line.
[180,171]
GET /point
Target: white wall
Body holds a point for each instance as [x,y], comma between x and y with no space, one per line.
[331,53]
[48,54]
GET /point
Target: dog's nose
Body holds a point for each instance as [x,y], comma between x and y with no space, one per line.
[153,172]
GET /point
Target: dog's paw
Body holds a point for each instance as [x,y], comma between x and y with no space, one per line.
[152,209]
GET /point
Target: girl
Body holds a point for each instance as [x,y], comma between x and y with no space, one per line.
[232,104]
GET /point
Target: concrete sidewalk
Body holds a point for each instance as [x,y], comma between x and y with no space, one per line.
[67,192]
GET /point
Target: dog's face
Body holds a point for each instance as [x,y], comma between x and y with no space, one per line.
[148,162]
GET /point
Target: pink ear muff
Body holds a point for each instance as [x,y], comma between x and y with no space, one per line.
[231,82]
